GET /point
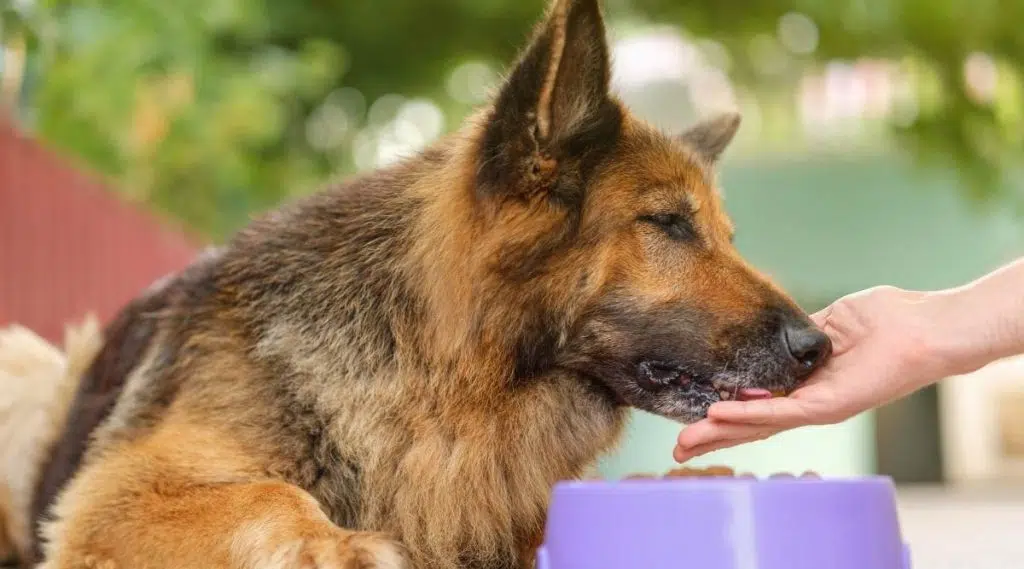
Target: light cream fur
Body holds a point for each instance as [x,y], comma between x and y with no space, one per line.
[37,383]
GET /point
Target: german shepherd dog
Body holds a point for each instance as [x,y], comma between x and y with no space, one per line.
[394,372]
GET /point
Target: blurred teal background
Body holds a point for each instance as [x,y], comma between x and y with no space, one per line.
[881,143]
[824,226]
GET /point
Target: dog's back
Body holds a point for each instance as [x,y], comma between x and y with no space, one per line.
[37,383]
[394,372]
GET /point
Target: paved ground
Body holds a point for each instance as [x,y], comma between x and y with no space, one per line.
[964,529]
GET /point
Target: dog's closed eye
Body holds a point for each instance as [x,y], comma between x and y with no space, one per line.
[676,226]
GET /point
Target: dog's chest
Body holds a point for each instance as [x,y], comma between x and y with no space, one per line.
[307,451]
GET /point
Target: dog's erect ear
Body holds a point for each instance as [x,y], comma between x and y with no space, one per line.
[565,72]
[555,104]
[711,137]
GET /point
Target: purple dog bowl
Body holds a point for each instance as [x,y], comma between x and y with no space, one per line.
[724,523]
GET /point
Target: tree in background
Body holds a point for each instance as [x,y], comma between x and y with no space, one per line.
[212,109]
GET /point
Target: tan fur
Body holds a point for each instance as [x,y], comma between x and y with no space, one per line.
[430,517]
[37,381]
[189,497]
[395,372]
[558,13]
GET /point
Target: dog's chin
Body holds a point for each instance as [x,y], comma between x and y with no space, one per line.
[685,403]
[685,396]
[685,392]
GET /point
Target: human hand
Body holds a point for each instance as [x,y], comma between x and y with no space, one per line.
[883,349]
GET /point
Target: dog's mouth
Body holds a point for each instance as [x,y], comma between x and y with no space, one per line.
[659,377]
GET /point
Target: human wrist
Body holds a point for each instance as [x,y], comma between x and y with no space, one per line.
[945,342]
[966,328]
[928,349]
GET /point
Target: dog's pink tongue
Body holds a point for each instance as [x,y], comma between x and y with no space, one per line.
[753,394]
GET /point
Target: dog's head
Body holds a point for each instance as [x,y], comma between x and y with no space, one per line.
[614,236]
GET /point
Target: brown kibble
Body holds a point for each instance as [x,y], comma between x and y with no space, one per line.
[641,477]
[718,472]
[710,472]
[681,472]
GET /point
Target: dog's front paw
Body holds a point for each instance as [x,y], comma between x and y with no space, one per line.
[362,550]
[341,550]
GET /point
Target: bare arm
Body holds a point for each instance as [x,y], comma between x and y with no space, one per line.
[888,343]
[982,321]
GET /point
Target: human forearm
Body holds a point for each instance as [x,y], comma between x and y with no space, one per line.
[887,343]
[979,322]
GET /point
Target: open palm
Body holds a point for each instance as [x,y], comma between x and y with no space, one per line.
[881,353]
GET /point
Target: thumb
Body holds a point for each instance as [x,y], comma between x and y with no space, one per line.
[820,318]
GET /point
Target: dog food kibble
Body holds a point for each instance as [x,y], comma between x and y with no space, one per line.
[710,472]
[641,477]
[718,472]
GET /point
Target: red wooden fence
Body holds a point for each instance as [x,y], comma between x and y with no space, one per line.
[67,245]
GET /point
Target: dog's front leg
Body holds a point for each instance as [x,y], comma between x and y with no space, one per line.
[179,501]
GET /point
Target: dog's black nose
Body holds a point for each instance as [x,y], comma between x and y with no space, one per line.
[808,346]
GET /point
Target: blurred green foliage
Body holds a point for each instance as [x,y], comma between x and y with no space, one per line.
[980,140]
[206,109]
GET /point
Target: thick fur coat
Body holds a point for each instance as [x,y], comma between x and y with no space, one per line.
[395,371]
